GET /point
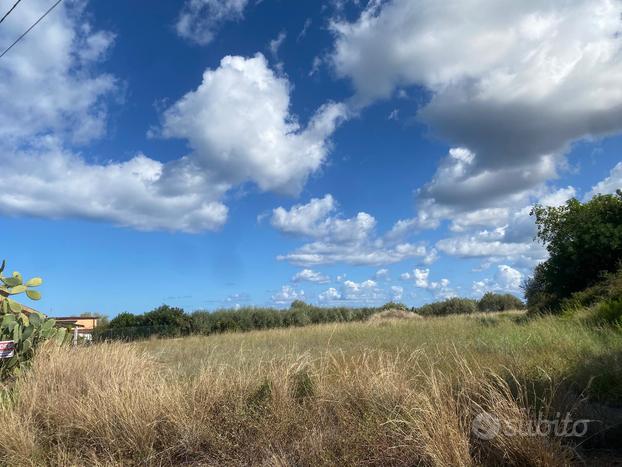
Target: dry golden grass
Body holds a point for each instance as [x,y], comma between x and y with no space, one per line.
[322,395]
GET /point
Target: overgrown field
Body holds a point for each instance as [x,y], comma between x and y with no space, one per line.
[384,392]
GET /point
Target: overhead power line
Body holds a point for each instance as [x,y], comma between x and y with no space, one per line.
[9,12]
[30,28]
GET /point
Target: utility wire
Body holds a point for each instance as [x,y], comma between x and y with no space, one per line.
[9,12]
[30,28]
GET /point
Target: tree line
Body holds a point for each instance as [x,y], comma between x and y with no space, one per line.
[167,321]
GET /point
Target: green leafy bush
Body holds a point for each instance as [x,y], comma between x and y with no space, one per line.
[394,306]
[451,306]
[124,320]
[499,302]
[584,241]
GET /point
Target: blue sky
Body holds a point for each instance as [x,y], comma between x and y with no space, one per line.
[210,153]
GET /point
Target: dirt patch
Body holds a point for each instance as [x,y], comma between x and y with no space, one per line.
[394,314]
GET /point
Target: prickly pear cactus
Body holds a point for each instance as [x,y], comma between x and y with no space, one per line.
[28,329]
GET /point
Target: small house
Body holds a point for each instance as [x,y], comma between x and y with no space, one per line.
[84,324]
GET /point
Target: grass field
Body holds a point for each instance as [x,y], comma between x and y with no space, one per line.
[386,392]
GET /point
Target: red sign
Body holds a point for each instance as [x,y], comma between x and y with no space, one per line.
[7,349]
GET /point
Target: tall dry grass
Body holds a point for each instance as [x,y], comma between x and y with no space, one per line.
[116,405]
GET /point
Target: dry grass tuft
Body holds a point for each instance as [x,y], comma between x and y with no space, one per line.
[115,405]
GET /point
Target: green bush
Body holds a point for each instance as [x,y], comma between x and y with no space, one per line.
[537,292]
[451,306]
[166,316]
[608,288]
[394,306]
[499,302]
[124,320]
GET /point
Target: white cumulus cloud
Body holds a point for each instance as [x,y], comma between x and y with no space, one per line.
[507,279]
[398,292]
[240,129]
[200,20]
[335,239]
[237,123]
[609,185]
[512,85]
[287,295]
[309,275]
[329,295]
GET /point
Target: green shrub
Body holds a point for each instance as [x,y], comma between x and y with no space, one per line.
[451,306]
[298,304]
[175,319]
[499,302]
[394,306]
[608,288]
[124,320]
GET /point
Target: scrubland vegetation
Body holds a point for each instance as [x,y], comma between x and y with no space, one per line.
[339,386]
[393,392]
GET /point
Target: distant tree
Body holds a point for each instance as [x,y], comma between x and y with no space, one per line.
[167,321]
[167,316]
[394,306]
[124,320]
[499,302]
[451,306]
[298,304]
[584,241]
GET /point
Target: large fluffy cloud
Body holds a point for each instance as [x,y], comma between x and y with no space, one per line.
[457,186]
[507,279]
[47,83]
[48,181]
[54,100]
[239,127]
[514,83]
[336,239]
[199,20]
